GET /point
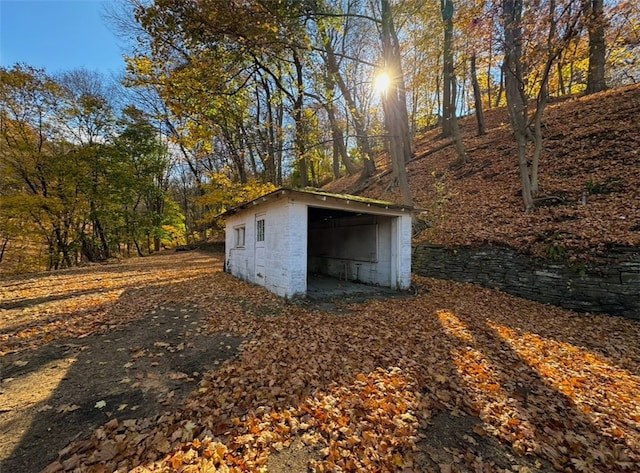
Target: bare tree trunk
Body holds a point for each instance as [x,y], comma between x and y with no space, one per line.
[300,132]
[279,148]
[403,113]
[517,103]
[252,160]
[335,163]
[597,51]
[450,120]
[62,246]
[455,130]
[561,88]
[448,104]
[138,249]
[396,151]
[537,131]
[396,121]
[527,194]
[339,148]
[439,104]
[4,247]
[362,137]
[489,66]
[477,97]
[500,87]
[314,176]
[270,160]
[106,251]
[340,151]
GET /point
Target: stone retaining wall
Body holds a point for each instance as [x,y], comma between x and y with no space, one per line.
[612,286]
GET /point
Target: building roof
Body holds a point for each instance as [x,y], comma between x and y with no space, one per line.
[323,195]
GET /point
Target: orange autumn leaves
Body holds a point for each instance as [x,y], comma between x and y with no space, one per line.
[41,307]
[358,390]
[589,196]
[368,424]
[590,403]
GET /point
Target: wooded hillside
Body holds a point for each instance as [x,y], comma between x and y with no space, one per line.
[590,181]
[225,100]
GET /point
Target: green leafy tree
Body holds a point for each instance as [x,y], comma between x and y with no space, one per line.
[208,57]
[141,171]
[73,177]
[87,117]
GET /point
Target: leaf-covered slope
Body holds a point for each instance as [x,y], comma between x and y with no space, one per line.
[589,178]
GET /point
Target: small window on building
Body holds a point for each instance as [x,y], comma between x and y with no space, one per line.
[239,236]
[260,230]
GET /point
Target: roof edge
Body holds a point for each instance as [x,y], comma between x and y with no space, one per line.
[319,193]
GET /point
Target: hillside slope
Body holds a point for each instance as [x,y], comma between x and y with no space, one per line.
[590,167]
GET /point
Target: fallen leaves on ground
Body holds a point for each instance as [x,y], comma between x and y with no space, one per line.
[589,175]
[359,389]
[38,308]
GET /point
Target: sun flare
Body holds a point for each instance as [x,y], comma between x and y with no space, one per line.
[382,82]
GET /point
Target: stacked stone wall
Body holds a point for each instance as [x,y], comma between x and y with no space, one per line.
[610,286]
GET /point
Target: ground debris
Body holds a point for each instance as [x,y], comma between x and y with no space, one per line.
[458,378]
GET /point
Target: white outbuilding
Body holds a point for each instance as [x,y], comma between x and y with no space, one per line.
[281,239]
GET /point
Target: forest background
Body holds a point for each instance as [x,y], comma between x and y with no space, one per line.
[225,100]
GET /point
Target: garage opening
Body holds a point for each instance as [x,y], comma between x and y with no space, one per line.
[350,246]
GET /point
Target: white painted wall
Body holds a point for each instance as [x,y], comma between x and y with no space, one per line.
[239,260]
[403,262]
[285,255]
[297,260]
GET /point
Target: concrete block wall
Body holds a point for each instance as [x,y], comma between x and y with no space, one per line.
[405,258]
[239,261]
[297,255]
[286,253]
[611,286]
[277,245]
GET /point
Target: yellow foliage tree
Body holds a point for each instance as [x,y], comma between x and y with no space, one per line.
[222,194]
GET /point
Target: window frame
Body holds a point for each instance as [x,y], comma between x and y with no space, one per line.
[260,230]
[240,236]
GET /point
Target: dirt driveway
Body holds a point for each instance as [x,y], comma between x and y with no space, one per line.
[137,359]
[63,390]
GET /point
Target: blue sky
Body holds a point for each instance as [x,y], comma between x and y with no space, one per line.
[58,35]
